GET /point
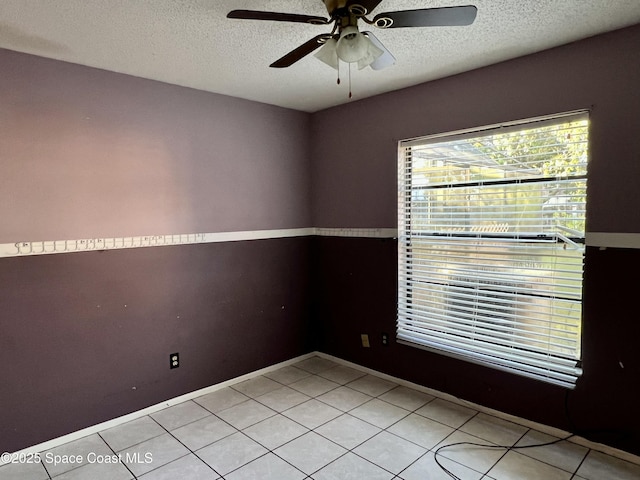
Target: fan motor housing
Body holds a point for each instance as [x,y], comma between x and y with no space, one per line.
[333,5]
[340,8]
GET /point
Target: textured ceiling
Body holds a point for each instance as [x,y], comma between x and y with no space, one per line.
[191,43]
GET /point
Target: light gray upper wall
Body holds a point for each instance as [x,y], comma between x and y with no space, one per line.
[88,153]
[354,146]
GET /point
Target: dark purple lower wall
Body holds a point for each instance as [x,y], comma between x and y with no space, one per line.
[355,293]
[86,337]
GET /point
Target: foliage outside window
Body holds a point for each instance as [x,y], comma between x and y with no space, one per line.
[491,245]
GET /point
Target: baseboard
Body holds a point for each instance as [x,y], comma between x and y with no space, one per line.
[556,432]
[56,442]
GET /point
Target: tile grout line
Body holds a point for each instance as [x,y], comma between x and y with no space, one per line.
[484,440]
[46,470]
[84,464]
[575,474]
[269,450]
[115,453]
[386,429]
[318,375]
[241,431]
[547,463]
[343,412]
[121,420]
[178,440]
[313,430]
[346,412]
[456,430]
[210,413]
[549,430]
[507,450]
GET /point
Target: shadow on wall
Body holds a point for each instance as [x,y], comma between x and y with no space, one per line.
[355,292]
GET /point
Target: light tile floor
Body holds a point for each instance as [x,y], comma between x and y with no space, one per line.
[322,421]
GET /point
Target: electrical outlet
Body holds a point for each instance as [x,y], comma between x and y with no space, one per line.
[174,360]
[365,340]
[385,339]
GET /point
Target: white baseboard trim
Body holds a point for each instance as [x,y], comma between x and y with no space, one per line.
[556,432]
[56,442]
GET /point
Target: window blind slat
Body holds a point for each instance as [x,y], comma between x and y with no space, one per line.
[489,339]
[491,246]
[507,355]
[460,273]
[486,330]
[483,319]
[529,321]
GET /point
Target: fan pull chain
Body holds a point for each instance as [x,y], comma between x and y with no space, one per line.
[338,82]
[350,94]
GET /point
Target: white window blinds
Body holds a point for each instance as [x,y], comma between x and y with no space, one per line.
[491,245]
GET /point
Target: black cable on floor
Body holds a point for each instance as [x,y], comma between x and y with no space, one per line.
[572,426]
[505,447]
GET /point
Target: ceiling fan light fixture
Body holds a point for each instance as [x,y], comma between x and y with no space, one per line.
[328,53]
[371,55]
[383,61]
[352,46]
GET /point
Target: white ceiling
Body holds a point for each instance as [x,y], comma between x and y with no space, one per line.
[191,43]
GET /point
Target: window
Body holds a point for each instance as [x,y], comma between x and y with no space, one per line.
[491,245]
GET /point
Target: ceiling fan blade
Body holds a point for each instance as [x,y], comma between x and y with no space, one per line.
[301,52]
[386,59]
[428,17]
[276,16]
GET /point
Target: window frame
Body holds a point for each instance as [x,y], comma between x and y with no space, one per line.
[536,368]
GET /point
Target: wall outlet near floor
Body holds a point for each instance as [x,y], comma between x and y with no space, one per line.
[174,360]
[385,339]
[365,340]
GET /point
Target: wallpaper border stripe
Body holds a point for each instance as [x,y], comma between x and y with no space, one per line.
[48,247]
[613,240]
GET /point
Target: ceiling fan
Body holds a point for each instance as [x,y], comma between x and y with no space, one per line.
[345,41]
